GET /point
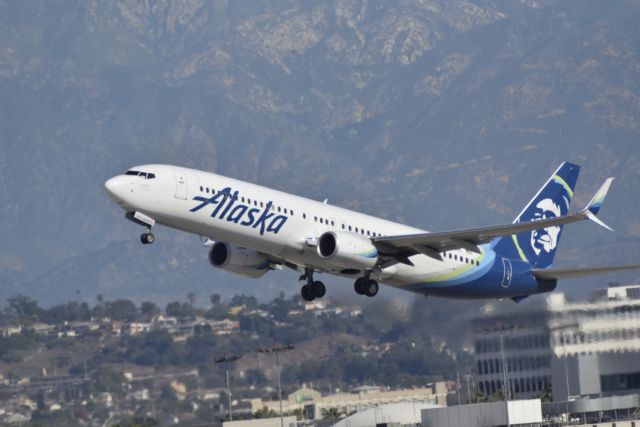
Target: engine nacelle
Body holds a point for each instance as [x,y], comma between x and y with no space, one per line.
[347,250]
[238,260]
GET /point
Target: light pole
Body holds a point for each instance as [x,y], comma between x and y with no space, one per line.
[225,360]
[277,349]
[505,389]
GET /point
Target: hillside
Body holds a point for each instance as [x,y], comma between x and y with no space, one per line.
[439,114]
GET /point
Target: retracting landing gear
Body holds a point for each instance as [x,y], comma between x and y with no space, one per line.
[145,221]
[366,286]
[148,237]
[313,289]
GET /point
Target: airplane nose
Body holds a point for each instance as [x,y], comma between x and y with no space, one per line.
[115,188]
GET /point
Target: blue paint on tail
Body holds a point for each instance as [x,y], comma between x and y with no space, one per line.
[538,247]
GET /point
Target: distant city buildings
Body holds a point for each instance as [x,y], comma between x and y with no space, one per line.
[571,349]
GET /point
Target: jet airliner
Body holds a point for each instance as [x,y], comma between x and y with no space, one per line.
[252,229]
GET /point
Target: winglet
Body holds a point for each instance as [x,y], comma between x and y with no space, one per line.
[596,203]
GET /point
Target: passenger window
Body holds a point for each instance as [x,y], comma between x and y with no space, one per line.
[349,228]
[291,212]
[207,189]
[261,204]
[278,208]
[242,199]
[332,223]
[201,189]
[315,218]
[304,216]
[343,226]
[357,230]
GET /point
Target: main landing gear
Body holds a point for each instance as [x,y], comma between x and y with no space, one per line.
[313,289]
[366,286]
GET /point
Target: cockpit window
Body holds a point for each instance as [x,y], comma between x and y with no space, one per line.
[145,175]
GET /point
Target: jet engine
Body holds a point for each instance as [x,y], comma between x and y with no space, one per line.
[238,260]
[347,250]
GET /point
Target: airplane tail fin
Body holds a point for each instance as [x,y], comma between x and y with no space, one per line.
[539,247]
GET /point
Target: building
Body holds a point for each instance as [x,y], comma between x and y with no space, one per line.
[316,406]
[571,349]
[515,412]
[261,422]
[392,414]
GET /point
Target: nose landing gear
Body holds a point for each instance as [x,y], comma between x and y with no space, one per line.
[145,221]
[313,289]
[147,238]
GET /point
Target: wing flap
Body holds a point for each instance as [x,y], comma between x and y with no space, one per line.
[569,273]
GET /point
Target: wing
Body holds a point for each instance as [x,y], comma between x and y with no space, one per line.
[569,273]
[398,249]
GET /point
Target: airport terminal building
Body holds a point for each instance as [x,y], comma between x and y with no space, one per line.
[569,349]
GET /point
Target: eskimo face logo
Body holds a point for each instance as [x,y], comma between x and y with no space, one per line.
[545,239]
[227,209]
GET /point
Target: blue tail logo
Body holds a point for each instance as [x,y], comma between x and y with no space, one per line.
[554,199]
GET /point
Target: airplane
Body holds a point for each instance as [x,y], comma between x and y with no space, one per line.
[252,229]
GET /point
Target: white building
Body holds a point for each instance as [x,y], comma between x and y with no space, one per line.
[516,412]
[574,349]
[316,406]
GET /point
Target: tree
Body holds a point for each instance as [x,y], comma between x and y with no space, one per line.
[215,299]
[248,301]
[121,309]
[149,309]
[265,413]
[23,309]
[191,297]
[331,413]
[107,379]
[180,310]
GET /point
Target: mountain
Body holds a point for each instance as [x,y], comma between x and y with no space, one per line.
[441,114]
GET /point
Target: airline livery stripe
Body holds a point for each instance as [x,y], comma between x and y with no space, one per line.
[455,273]
[559,180]
[515,242]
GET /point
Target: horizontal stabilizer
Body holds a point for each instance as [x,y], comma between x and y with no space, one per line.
[570,273]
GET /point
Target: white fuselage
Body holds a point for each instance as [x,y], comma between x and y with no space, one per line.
[181,198]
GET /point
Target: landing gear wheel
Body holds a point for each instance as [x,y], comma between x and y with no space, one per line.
[307,293]
[147,238]
[371,288]
[318,289]
[359,285]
